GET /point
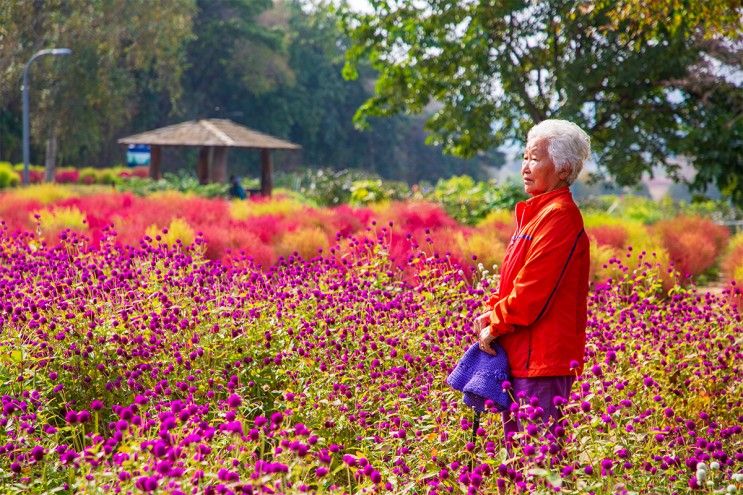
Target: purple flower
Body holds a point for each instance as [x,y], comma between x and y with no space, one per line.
[71,417]
[606,467]
[146,483]
[234,401]
[83,416]
[277,418]
[37,452]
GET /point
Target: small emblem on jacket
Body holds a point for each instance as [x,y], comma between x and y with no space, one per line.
[521,236]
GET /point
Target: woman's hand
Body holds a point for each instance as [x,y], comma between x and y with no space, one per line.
[481,321]
[485,340]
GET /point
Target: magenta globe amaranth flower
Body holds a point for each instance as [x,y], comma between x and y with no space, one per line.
[147,483]
[234,401]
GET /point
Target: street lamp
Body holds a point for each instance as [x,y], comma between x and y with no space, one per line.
[24,89]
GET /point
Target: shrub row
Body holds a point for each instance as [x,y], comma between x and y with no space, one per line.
[683,249]
[11,175]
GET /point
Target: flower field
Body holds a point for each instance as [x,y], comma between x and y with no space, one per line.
[149,368]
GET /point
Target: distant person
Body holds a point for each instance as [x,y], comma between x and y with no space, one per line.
[539,314]
[236,189]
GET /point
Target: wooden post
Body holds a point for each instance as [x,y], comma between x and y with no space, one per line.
[266,172]
[155,163]
[218,164]
[202,166]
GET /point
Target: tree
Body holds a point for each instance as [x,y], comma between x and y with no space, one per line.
[497,67]
[235,57]
[119,48]
[277,68]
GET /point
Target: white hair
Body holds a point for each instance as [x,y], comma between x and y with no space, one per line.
[568,145]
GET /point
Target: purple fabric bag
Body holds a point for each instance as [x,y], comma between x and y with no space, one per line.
[480,377]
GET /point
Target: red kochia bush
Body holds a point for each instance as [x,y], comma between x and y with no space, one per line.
[141,172]
[67,176]
[411,217]
[694,243]
[608,235]
[346,220]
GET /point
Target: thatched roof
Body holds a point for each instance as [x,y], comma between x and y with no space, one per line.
[209,132]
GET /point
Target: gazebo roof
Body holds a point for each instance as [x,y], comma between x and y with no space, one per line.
[209,132]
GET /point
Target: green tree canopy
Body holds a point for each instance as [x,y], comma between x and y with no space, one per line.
[119,49]
[137,65]
[646,90]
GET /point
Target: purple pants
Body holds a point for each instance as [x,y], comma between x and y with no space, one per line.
[544,389]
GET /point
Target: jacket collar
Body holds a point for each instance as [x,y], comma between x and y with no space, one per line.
[525,210]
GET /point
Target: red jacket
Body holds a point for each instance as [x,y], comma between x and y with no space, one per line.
[539,314]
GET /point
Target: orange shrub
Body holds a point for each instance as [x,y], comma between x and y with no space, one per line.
[693,243]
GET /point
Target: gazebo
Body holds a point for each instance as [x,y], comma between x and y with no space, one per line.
[215,137]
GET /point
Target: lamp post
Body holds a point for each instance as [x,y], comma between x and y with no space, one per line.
[24,90]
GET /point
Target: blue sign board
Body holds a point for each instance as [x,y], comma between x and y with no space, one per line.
[137,155]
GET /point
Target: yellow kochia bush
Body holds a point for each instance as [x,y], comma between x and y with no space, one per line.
[488,249]
[177,230]
[240,210]
[44,193]
[55,220]
[305,241]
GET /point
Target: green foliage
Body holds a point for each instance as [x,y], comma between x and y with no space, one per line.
[648,211]
[715,136]
[469,202]
[325,187]
[368,191]
[297,92]
[645,92]
[8,176]
[181,181]
[713,18]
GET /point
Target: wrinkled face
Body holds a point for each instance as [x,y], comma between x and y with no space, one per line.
[537,170]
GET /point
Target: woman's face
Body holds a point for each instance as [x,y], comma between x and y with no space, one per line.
[538,171]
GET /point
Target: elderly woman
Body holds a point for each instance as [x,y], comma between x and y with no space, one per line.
[539,313]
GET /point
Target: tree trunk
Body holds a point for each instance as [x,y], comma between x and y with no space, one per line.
[50,162]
